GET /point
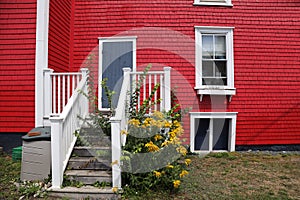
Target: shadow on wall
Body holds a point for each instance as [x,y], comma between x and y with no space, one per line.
[10,140]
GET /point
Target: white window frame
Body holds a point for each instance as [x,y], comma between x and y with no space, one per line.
[213,3]
[213,89]
[211,115]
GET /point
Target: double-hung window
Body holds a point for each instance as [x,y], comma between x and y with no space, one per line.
[214,61]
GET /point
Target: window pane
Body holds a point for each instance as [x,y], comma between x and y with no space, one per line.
[221,69]
[220,47]
[214,81]
[207,68]
[220,134]
[202,134]
[207,47]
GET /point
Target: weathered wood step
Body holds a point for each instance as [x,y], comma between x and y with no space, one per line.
[92,131]
[95,140]
[89,163]
[89,177]
[92,151]
[85,192]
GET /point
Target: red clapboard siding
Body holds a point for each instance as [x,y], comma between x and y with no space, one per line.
[17,64]
[59,35]
[266,55]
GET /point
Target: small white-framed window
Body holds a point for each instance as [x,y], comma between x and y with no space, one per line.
[213,2]
[212,131]
[214,61]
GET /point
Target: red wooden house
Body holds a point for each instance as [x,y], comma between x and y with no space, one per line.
[236,64]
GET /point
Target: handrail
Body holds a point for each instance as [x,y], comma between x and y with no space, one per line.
[63,127]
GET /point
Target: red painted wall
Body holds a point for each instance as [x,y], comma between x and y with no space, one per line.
[266,55]
[60,35]
[17,60]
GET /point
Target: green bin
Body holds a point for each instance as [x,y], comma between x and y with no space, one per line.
[17,153]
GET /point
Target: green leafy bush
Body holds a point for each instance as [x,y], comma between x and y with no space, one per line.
[153,157]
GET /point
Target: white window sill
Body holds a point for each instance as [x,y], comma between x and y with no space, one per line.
[212,4]
[215,91]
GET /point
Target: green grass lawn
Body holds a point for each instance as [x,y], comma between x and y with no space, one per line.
[216,176]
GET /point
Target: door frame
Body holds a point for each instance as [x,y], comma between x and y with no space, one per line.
[113,39]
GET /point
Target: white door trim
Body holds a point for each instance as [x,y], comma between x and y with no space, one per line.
[113,39]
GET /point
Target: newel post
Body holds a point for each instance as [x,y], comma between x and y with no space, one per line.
[116,152]
[167,88]
[84,72]
[56,152]
[47,110]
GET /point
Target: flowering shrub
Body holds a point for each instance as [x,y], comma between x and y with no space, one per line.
[153,157]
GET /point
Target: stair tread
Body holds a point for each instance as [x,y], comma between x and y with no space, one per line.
[93,147]
[86,159]
[88,173]
[84,190]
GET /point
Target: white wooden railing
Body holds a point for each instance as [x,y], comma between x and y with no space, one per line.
[119,121]
[58,88]
[65,120]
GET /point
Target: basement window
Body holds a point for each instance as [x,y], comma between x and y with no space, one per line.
[213,2]
[212,131]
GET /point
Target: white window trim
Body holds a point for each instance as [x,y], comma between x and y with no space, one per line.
[212,115]
[112,39]
[212,89]
[213,3]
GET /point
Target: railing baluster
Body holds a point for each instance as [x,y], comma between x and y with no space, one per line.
[73,84]
[54,94]
[144,89]
[78,76]
[64,90]
[155,95]
[68,87]
[139,96]
[150,91]
[162,97]
[58,94]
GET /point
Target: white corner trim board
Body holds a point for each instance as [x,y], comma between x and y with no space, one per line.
[41,57]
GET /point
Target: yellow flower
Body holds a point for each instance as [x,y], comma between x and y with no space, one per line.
[182,150]
[172,135]
[124,132]
[176,123]
[157,137]
[134,122]
[151,147]
[183,173]
[115,189]
[170,166]
[187,161]
[176,183]
[179,130]
[158,115]
[157,174]
[165,143]
[168,124]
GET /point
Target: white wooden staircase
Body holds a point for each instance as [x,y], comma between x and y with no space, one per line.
[96,161]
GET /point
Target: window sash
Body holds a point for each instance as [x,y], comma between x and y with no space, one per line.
[214,54]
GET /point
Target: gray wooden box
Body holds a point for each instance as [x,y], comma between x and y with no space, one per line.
[36,160]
